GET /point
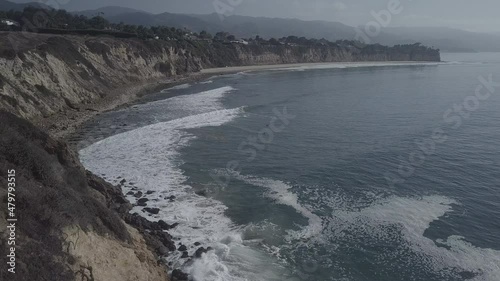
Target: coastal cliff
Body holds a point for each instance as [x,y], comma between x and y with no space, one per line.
[72,224]
[42,74]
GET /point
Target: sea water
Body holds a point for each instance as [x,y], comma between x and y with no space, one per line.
[348,172]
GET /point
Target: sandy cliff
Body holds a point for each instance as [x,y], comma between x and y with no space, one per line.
[43,74]
[71,225]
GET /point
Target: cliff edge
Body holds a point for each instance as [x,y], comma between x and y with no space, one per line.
[70,224]
[43,74]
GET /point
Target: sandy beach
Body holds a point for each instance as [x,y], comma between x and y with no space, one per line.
[235,69]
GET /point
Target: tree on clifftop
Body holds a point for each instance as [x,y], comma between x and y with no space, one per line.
[205,35]
[98,22]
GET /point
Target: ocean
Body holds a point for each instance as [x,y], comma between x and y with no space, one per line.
[348,172]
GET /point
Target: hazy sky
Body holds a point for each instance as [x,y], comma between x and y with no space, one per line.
[473,15]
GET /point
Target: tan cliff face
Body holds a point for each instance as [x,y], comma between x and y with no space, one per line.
[104,258]
[43,74]
[70,223]
[58,72]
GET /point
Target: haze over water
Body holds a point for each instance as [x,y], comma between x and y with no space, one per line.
[312,201]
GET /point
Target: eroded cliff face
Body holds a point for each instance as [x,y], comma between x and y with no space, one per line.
[42,74]
[45,74]
[71,224]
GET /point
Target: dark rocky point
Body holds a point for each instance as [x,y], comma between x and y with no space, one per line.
[153,211]
[178,275]
[164,225]
[201,251]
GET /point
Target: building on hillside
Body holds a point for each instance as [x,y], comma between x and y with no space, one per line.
[10,22]
[239,41]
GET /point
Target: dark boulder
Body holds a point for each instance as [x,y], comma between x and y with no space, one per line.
[200,252]
[162,250]
[178,275]
[163,225]
[153,211]
[141,223]
[142,202]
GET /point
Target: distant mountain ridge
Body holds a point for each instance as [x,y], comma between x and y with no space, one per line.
[7,5]
[446,39]
[110,11]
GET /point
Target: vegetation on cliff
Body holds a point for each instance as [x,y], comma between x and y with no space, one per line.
[34,19]
[69,220]
[65,69]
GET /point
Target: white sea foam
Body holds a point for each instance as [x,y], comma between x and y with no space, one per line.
[148,159]
[207,82]
[185,105]
[280,191]
[192,104]
[355,65]
[413,217]
[178,87]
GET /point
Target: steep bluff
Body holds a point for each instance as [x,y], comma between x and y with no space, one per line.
[43,74]
[71,225]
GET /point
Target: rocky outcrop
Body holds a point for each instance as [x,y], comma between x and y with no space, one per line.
[43,74]
[71,224]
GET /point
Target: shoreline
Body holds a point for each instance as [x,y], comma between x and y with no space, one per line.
[233,69]
[65,124]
